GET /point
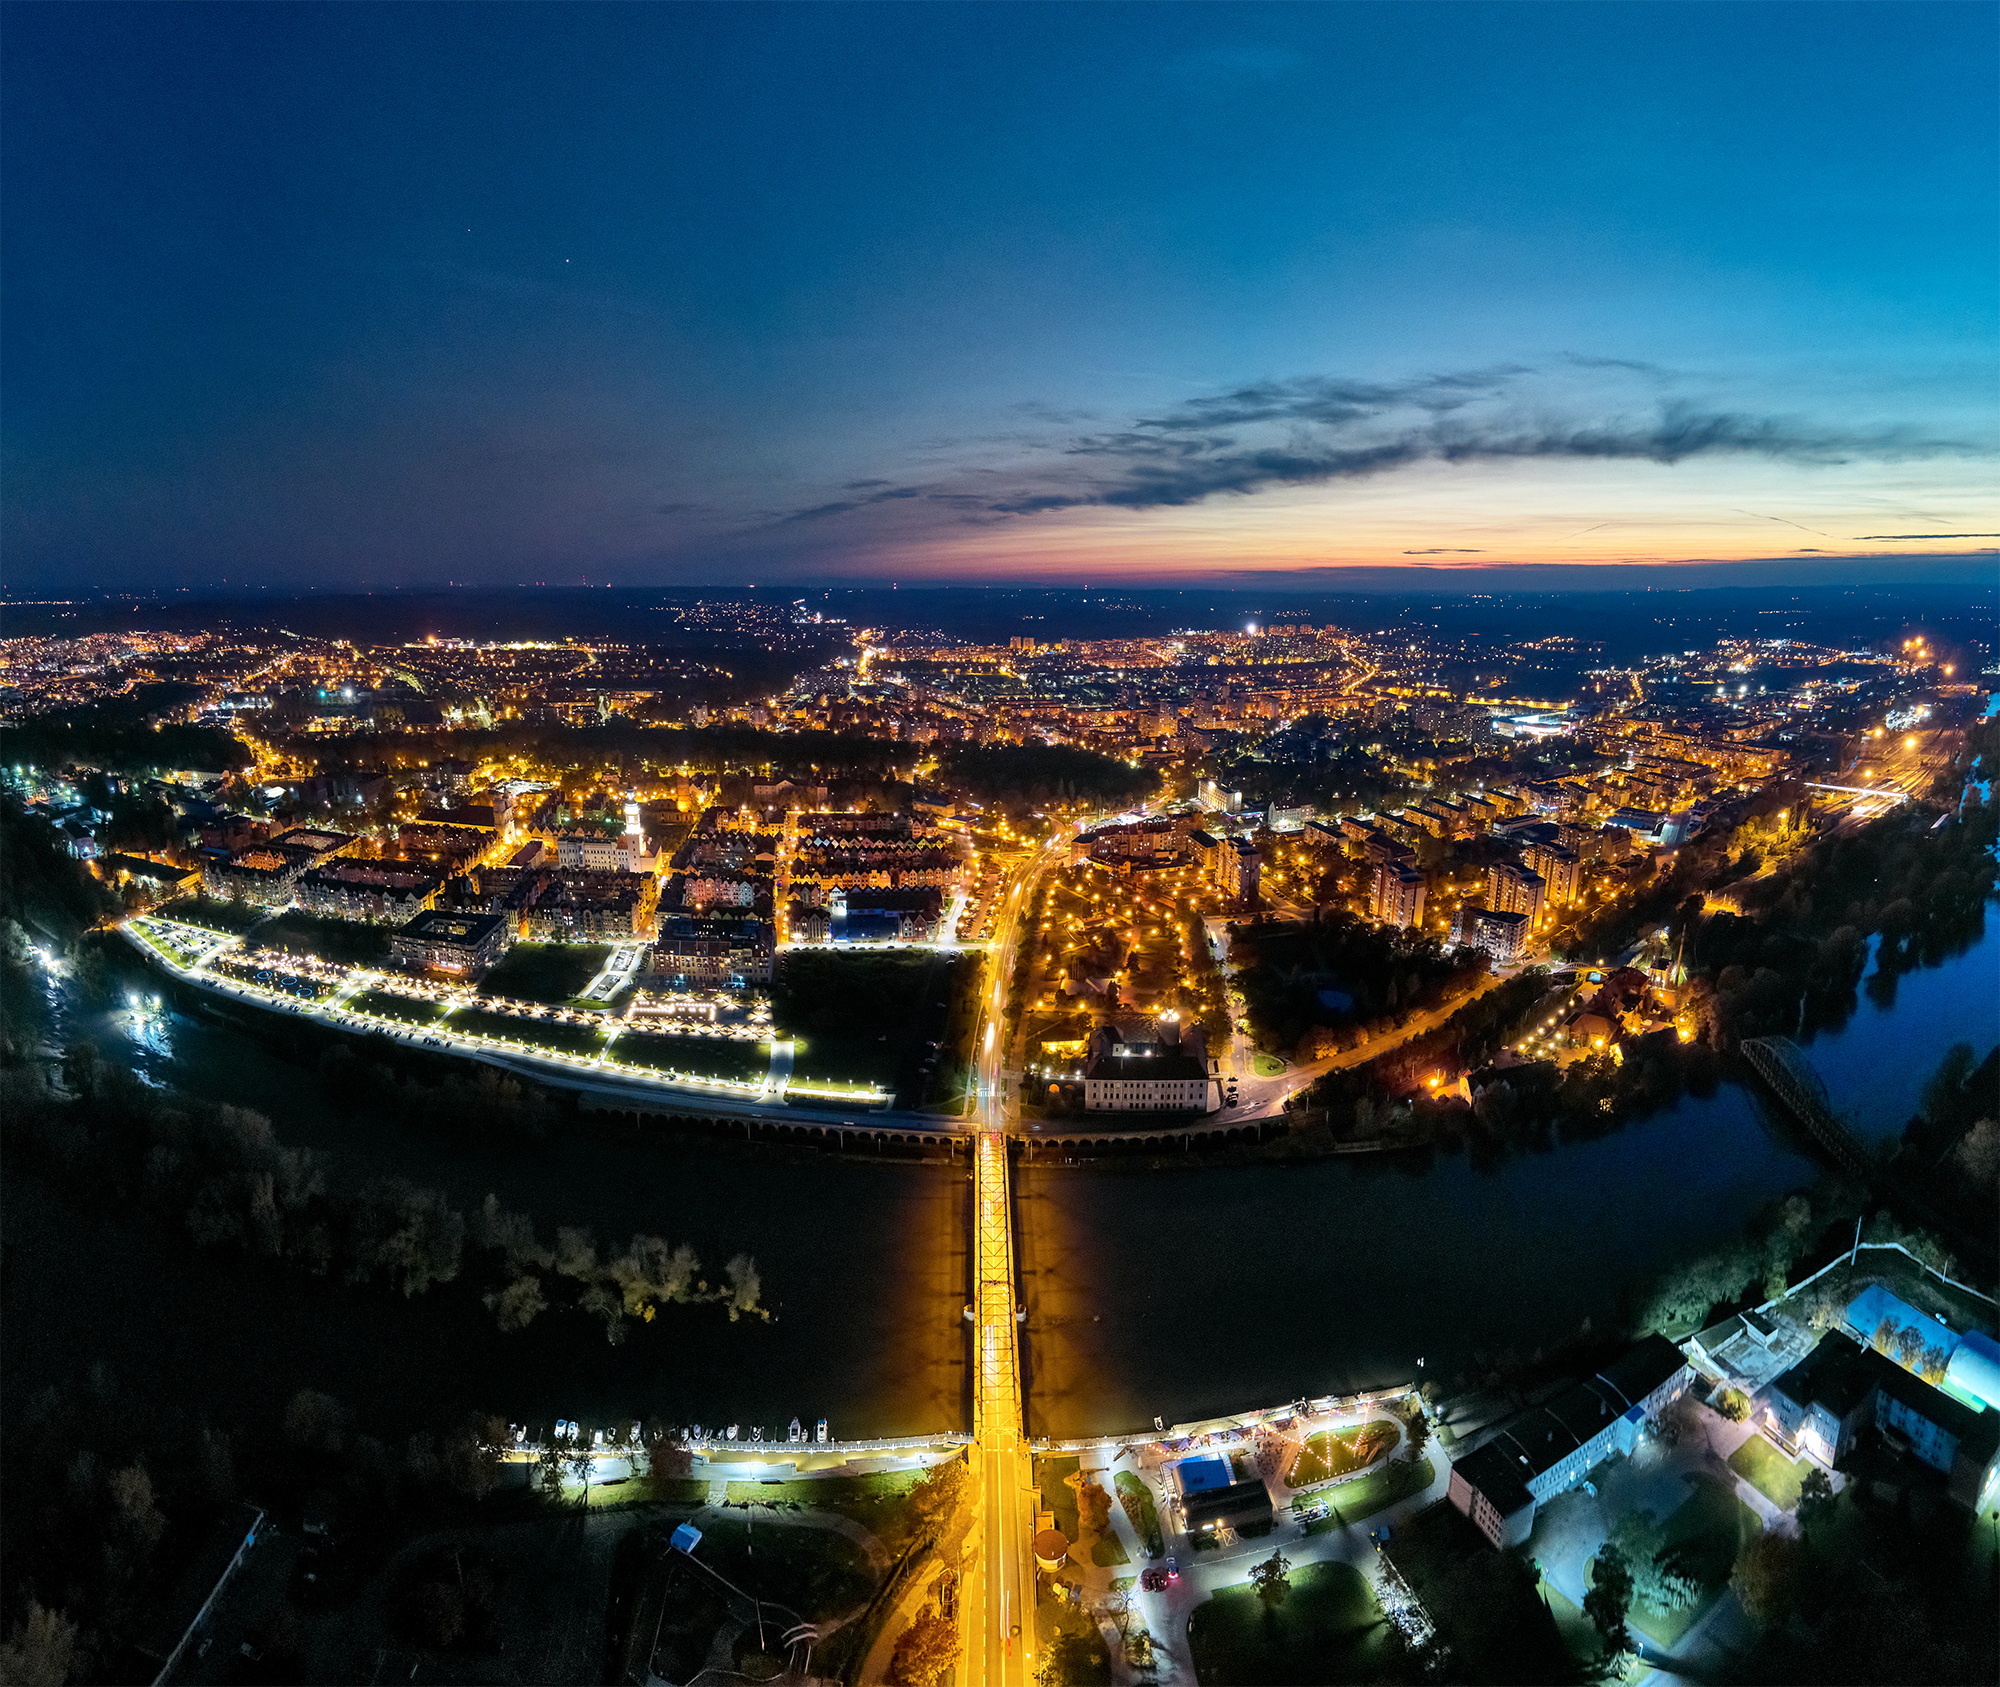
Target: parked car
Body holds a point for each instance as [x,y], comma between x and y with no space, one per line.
[1173,1571]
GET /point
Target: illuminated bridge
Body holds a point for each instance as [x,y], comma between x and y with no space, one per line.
[1782,1064]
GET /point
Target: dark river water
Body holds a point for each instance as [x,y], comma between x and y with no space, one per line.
[1177,1294]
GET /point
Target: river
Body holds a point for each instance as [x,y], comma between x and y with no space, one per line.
[1175,1293]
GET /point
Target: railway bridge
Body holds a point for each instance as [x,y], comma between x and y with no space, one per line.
[1782,1064]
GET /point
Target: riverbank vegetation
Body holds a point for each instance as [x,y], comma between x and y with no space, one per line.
[221,1178]
[1792,960]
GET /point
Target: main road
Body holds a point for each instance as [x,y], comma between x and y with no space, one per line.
[1001,1653]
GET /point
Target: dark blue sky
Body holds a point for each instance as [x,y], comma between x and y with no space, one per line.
[679,294]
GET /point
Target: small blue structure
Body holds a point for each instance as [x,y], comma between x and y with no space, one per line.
[1200,1475]
[686,1538]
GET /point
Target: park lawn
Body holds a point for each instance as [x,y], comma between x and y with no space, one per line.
[1137,1500]
[1377,1491]
[1710,1527]
[343,942]
[875,1502]
[1109,1551]
[551,973]
[1578,1632]
[1330,1453]
[1057,1495]
[869,1017]
[1776,1477]
[212,914]
[704,1057]
[1266,1065]
[386,1004]
[560,1037]
[1328,1629]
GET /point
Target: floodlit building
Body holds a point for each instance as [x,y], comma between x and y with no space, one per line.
[713,952]
[1512,888]
[1211,1497]
[1560,870]
[1549,1449]
[467,944]
[1147,1075]
[1398,898]
[1943,1407]
[1503,936]
[1239,870]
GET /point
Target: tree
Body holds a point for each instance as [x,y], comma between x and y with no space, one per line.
[1767,1575]
[1093,1506]
[1609,1598]
[1272,1579]
[935,1499]
[1816,1500]
[41,1652]
[1978,1154]
[1419,1433]
[927,1651]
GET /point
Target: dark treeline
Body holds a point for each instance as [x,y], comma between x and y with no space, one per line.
[1293,976]
[714,749]
[114,734]
[1026,776]
[41,888]
[1920,880]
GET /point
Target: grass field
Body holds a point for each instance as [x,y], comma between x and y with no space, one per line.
[213,915]
[875,1502]
[545,972]
[1328,1629]
[1330,1453]
[385,1004]
[1266,1066]
[1767,1470]
[1057,1495]
[535,1033]
[1109,1551]
[704,1057]
[870,1017]
[1145,1515]
[1706,1532]
[1366,1495]
[345,942]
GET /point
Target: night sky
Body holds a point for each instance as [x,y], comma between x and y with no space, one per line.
[718,294]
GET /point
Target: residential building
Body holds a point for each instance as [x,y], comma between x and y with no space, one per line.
[1398,898]
[1239,870]
[721,951]
[1548,1449]
[1504,936]
[465,944]
[368,890]
[1512,888]
[1560,871]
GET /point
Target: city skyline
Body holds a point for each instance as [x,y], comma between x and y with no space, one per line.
[722,295]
